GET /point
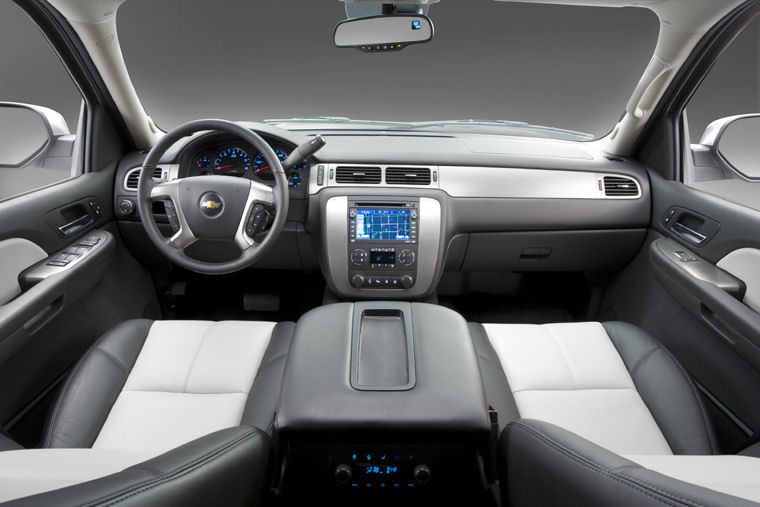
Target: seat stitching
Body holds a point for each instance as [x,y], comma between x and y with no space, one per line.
[641,360]
[195,358]
[565,360]
[113,359]
[177,392]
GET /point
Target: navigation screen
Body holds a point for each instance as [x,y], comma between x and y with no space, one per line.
[382,224]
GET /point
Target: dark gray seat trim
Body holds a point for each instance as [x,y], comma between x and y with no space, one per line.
[264,397]
[495,384]
[667,390]
[542,464]
[94,385]
[228,467]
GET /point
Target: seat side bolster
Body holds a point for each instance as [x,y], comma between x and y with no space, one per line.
[94,385]
[264,396]
[667,390]
[206,471]
[495,384]
[542,464]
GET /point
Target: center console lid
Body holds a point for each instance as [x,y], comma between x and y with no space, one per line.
[367,368]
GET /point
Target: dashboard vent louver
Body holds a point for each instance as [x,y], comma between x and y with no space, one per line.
[618,186]
[407,176]
[133,177]
[367,175]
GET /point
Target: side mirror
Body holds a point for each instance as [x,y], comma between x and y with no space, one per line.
[383,33]
[28,132]
[735,141]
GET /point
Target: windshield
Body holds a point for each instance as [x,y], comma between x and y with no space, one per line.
[570,68]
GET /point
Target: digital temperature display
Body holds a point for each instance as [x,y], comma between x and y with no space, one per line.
[386,470]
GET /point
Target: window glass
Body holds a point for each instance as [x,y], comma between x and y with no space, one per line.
[565,67]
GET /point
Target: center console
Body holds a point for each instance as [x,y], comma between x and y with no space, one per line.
[383,398]
[382,247]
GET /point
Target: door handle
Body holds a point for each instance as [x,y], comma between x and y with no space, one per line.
[76,225]
[688,233]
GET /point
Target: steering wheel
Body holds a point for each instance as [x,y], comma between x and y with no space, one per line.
[214,207]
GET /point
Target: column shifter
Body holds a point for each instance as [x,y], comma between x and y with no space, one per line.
[304,151]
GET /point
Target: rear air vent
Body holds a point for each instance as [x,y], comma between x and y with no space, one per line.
[349,174]
[618,186]
[133,177]
[407,176]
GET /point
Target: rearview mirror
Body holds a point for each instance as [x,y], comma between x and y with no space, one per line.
[383,33]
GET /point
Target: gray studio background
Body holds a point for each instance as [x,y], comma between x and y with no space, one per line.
[568,67]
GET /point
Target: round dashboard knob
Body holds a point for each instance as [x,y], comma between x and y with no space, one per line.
[359,256]
[357,281]
[406,257]
[126,207]
[422,474]
[407,281]
[343,473]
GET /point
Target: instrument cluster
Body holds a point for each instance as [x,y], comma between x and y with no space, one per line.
[244,161]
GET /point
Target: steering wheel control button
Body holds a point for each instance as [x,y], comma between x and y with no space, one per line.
[359,257]
[211,204]
[171,214]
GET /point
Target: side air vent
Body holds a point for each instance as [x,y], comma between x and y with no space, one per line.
[407,176]
[133,177]
[618,186]
[367,175]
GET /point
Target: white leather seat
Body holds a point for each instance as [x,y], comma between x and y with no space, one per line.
[148,388]
[626,425]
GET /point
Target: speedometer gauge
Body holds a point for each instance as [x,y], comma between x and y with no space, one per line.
[232,161]
[261,166]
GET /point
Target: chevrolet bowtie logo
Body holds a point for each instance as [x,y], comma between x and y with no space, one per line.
[211,204]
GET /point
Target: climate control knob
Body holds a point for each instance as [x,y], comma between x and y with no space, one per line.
[343,473]
[406,257]
[359,256]
[357,281]
[422,474]
[407,281]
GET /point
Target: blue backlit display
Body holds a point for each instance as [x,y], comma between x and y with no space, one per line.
[382,224]
[380,470]
[416,25]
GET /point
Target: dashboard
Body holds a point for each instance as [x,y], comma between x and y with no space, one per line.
[403,215]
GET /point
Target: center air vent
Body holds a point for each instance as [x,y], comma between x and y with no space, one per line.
[618,186]
[349,174]
[133,177]
[407,176]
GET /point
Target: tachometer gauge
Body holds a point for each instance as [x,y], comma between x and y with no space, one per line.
[294,179]
[232,161]
[202,162]
[261,166]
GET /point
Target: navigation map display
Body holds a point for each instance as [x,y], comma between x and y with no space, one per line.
[382,224]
